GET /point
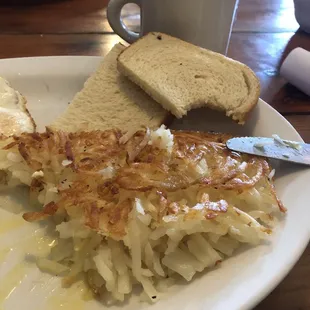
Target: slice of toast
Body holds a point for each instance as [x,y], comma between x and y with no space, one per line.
[181,76]
[109,100]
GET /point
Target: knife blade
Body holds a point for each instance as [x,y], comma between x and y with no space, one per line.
[276,148]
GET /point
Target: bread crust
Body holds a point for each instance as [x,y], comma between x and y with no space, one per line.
[240,113]
[110,100]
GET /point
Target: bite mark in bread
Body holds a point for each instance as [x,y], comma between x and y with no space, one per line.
[181,76]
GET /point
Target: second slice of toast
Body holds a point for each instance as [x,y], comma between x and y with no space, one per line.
[110,100]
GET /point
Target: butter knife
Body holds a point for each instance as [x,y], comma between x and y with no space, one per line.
[275,147]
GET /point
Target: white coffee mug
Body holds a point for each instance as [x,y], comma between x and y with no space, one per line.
[206,23]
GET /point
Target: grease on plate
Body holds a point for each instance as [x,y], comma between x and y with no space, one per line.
[70,298]
[11,280]
[31,242]
[11,224]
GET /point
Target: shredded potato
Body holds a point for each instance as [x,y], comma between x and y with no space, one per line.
[141,208]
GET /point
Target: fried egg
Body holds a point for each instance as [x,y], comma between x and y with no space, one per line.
[14,116]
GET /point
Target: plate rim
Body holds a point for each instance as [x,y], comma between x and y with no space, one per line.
[276,278]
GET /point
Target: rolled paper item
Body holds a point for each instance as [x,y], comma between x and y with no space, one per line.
[296,69]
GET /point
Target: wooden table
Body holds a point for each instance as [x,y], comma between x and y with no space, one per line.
[265,31]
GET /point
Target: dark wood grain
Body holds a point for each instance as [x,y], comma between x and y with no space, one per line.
[266,16]
[89,16]
[7,3]
[67,16]
[302,125]
[47,45]
[264,53]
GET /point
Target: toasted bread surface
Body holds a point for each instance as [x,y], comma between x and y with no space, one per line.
[181,76]
[110,100]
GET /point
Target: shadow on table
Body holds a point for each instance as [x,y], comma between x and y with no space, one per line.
[293,99]
[292,292]
[288,97]
[299,39]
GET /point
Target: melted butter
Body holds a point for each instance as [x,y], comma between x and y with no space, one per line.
[11,280]
[40,245]
[10,224]
[36,244]
[74,297]
[3,253]
[9,204]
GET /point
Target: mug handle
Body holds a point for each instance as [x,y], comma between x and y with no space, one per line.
[114,17]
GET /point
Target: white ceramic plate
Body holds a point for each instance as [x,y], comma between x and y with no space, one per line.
[242,281]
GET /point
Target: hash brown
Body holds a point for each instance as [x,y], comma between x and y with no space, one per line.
[141,207]
[150,169]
